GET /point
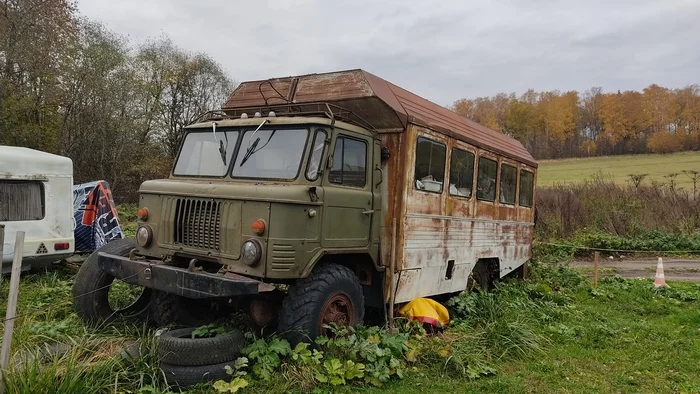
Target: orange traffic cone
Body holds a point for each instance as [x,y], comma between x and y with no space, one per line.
[660,280]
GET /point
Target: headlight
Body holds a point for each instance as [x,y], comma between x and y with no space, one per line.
[251,252]
[144,236]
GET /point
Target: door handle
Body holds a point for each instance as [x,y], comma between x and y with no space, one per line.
[369,211]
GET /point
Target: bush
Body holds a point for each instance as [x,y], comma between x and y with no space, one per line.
[601,206]
[664,142]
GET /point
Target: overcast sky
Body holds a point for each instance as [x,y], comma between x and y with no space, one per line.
[443,51]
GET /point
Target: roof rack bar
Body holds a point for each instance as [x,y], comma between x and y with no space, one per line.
[331,111]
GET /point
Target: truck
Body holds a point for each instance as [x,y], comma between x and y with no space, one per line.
[320,199]
[36,197]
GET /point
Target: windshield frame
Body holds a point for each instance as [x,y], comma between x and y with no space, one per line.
[204,131]
[245,129]
[239,144]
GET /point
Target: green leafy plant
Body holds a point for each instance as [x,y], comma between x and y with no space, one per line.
[267,356]
[208,331]
[237,374]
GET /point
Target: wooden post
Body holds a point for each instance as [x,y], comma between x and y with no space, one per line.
[2,245]
[596,258]
[12,303]
[392,274]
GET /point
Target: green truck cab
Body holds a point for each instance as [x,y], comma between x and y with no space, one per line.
[308,212]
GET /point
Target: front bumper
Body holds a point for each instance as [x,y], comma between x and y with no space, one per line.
[179,281]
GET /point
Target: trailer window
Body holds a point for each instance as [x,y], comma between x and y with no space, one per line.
[486,182]
[349,162]
[430,165]
[461,173]
[527,180]
[21,200]
[509,175]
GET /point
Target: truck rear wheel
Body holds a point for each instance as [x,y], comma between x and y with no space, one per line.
[91,291]
[331,294]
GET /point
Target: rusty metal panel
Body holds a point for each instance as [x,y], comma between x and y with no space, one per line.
[431,241]
[336,86]
[255,93]
[381,103]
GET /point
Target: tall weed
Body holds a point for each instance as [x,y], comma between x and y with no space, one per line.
[599,205]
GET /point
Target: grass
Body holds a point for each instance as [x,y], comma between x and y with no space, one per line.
[618,167]
[127,218]
[614,340]
[552,334]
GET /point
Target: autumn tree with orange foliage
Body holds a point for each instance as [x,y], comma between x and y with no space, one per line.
[571,124]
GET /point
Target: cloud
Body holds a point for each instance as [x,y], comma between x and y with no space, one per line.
[443,51]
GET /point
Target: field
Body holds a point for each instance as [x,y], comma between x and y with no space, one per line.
[618,168]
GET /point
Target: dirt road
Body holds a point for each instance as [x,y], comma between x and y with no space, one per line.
[674,268]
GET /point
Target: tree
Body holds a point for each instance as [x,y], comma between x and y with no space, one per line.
[35,36]
[179,87]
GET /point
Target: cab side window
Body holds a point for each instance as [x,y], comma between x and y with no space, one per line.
[508,184]
[349,162]
[486,182]
[527,180]
[430,165]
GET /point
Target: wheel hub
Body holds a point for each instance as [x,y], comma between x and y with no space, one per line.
[337,309]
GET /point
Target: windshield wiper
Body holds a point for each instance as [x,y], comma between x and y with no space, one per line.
[251,147]
[222,148]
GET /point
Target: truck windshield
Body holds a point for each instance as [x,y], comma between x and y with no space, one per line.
[200,154]
[270,154]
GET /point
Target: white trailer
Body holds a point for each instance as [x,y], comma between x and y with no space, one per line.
[36,196]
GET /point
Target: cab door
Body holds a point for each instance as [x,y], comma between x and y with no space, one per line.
[347,192]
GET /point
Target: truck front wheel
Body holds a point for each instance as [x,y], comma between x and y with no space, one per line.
[96,298]
[331,294]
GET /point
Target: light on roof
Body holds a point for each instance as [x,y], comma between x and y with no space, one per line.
[271,114]
[244,115]
[257,115]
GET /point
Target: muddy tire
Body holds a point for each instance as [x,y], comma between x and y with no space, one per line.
[188,376]
[91,289]
[332,293]
[177,347]
[479,278]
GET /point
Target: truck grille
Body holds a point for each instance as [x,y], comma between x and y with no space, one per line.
[197,223]
[21,200]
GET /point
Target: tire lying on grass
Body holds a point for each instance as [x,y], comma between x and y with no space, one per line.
[177,347]
[184,376]
[92,288]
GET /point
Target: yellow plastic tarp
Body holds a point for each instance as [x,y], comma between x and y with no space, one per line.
[427,311]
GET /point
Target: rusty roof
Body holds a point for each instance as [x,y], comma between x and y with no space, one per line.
[384,105]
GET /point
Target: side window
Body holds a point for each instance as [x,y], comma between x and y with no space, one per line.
[349,162]
[508,183]
[486,182]
[527,180]
[430,165]
[461,173]
[314,166]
